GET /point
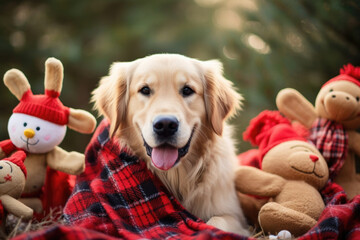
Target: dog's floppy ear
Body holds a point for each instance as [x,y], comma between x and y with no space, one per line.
[111,96]
[221,100]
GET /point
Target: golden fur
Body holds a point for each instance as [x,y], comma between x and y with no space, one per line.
[203,180]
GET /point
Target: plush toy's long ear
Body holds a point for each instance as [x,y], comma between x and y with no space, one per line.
[54,73]
[111,96]
[16,82]
[221,100]
[81,121]
[296,107]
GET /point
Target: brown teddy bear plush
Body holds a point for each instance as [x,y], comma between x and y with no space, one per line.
[333,122]
[293,171]
[37,126]
[12,183]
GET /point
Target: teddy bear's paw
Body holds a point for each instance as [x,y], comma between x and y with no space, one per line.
[283,235]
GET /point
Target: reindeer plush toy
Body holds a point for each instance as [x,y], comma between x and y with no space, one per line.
[333,122]
[38,126]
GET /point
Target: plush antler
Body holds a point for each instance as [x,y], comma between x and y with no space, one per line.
[295,106]
[81,121]
[16,82]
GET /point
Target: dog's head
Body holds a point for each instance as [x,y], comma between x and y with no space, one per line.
[166,103]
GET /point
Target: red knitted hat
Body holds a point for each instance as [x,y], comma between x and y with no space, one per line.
[269,129]
[18,158]
[45,106]
[347,73]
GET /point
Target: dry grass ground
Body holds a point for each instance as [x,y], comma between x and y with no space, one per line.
[15,226]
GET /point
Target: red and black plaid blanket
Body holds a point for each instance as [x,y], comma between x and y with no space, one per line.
[340,218]
[118,197]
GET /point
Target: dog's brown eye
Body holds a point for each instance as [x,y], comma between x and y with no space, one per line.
[145,91]
[186,91]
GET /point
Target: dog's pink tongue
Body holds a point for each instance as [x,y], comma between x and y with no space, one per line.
[164,157]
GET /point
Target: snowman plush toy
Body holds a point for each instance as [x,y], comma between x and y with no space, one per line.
[37,126]
[33,134]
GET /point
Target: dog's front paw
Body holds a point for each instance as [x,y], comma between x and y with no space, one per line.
[228,224]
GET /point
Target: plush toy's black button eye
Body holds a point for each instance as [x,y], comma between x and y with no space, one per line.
[331,90]
[25,124]
[37,128]
[1,167]
[357,98]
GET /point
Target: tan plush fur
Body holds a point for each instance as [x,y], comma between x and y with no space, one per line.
[203,179]
[53,74]
[57,158]
[292,181]
[335,101]
[10,191]
[17,83]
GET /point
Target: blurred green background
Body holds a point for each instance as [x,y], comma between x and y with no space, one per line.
[264,45]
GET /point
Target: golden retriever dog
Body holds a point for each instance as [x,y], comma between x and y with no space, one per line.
[170,110]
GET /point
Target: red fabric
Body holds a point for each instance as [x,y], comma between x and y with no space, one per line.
[269,129]
[118,196]
[347,73]
[54,194]
[56,191]
[45,106]
[18,158]
[8,147]
[250,158]
[77,233]
[340,218]
[2,214]
[331,139]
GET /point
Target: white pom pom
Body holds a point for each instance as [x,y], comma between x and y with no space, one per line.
[284,234]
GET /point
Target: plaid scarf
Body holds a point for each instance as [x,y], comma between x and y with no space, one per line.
[118,197]
[331,139]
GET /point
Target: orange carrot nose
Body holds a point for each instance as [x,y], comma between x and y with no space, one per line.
[29,133]
[314,158]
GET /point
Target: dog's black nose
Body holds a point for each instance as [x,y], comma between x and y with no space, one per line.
[165,125]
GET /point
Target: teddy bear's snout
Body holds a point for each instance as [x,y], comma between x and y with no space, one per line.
[347,98]
[340,106]
[29,133]
[340,97]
